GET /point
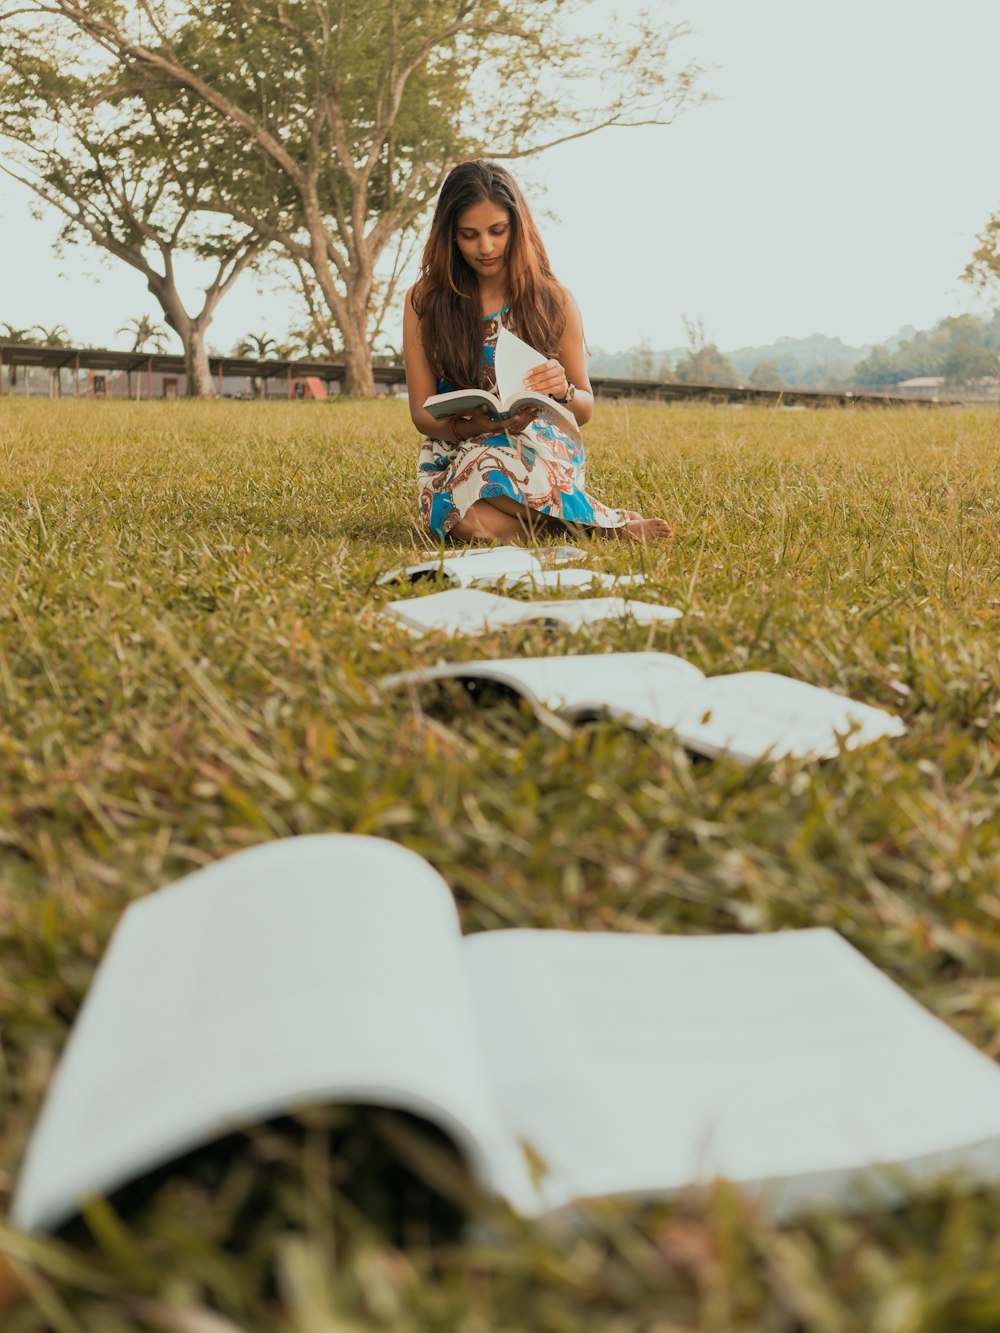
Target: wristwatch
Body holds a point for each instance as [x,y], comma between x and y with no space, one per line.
[570,395]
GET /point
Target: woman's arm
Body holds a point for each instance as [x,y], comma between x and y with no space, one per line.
[420,381]
[568,367]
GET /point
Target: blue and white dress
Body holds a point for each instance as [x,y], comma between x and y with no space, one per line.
[542,468]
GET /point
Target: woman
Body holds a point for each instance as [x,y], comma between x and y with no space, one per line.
[484,262]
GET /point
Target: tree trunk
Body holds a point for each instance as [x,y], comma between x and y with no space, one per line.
[198,376]
[359,378]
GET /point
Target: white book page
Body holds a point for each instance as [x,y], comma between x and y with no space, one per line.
[636,1064]
[302,971]
[758,713]
[574,578]
[573,683]
[469,611]
[514,359]
[484,566]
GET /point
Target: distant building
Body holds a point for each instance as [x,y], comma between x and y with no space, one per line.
[983,390]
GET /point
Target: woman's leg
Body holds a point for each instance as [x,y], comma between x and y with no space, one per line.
[502,519]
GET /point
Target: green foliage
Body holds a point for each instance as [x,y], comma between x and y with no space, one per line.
[703,363]
[190,629]
[961,348]
[767,375]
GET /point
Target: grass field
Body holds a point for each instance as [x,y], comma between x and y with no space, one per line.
[188,630]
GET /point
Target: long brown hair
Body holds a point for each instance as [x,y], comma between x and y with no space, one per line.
[446,294]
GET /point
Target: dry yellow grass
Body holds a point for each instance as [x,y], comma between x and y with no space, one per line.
[189,621]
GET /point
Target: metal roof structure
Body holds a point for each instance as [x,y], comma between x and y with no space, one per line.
[101,359]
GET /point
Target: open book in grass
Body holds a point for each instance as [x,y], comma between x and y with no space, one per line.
[510,566]
[514,360]
[470,611]
[749,715]
[332,968]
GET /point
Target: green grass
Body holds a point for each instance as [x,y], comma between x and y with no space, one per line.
[189,626]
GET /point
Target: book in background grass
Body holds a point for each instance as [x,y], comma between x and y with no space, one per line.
[749,715]
[331,968]
[510,566]
[513,361]
[470,611]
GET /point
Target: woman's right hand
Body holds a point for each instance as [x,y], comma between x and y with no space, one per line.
[518,421]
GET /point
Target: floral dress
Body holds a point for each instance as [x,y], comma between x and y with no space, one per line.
[542,468]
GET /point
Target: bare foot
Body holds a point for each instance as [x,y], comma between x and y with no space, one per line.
[646,529]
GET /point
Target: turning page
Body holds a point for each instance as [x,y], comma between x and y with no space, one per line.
[578,685]
[469,611]
[635,1064]
[748,716]
[573,578]
[305,970]
[754,713]
[467,568]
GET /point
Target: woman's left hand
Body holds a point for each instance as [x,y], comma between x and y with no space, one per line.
[549,378]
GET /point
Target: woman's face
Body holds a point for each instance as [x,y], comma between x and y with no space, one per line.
[481,234]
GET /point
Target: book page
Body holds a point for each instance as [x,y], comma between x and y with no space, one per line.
[575,578]
[757,711]
[305,970]
[576,685]
[469,611]
[641,1064]
[488,565]
[513,361]
[757,714]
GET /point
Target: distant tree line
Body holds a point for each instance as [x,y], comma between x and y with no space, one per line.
[962,350]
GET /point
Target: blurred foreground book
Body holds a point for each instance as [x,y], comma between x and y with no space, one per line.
[332,969]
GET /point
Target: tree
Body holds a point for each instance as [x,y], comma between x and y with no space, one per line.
[13,334]
[983,269]
[767,375]
[966,363]
[116,163]
[259,346]
[703,363]
[641,362]
[878,369]
[144,330]
[56,336]
[326,127]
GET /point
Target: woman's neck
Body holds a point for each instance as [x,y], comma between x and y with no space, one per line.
[492,297]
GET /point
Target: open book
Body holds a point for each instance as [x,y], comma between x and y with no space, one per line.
[514,359]
[510,566]
[749,715]
[468,611]
[332,968]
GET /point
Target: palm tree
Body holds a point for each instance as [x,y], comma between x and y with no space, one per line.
[15,335]
[57,336]
[257,345]
[144,330]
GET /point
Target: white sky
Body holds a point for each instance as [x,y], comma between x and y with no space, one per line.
[835,186]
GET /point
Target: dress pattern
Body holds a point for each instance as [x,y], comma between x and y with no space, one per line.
[542,468]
